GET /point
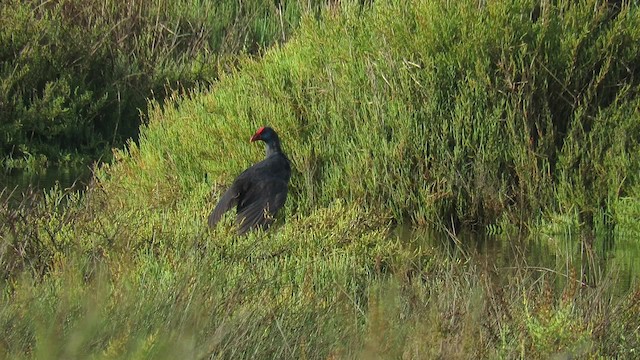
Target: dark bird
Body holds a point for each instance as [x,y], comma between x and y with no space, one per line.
[260,191]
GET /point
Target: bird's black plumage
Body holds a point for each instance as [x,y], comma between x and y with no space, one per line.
[259,191]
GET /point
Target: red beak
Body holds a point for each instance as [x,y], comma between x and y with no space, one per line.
[257,135]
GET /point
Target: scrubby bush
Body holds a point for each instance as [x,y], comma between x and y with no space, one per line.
[435,111]
[76,74]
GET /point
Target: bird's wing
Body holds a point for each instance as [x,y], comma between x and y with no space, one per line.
[260,204]
[228,200]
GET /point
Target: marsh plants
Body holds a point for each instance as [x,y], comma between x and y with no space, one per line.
[517,119]
[76,74]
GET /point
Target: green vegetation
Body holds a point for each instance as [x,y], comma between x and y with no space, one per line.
[511,116]
[75,74]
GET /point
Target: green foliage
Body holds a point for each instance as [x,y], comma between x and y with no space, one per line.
[550,331]
[433,111]
[75,75]
[405,115]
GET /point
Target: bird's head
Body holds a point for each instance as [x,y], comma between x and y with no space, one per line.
[269,136]
[265,134]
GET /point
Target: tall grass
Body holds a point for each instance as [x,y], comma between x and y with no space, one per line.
[423,118]
[325,286]
[77,74]
[518,114]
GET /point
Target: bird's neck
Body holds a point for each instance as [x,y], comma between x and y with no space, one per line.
[273,147]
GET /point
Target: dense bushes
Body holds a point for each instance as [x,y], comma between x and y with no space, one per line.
[493,113]
[436,111]
[76,74]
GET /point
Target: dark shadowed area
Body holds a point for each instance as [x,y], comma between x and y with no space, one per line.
[18,181]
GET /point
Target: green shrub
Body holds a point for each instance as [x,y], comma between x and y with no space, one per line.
[434,111]
[464,120]
[75,74]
